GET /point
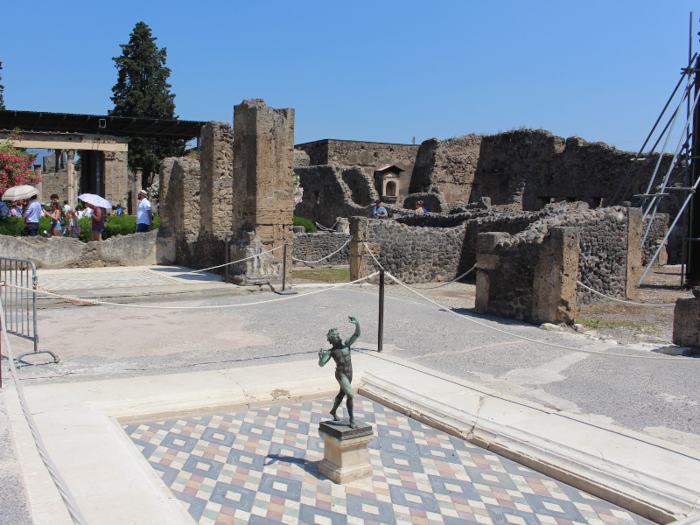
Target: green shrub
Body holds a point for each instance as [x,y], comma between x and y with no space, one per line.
[123,225]
[306,223]
[11,226]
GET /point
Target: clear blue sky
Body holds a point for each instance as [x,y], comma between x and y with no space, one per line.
[379,70]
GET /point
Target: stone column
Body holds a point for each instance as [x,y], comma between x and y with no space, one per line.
[556,272]
[164,206]
[39,185]
[486,260]
[183,194]
[70,173]
[263,172]
[165,246]
[216,198]
[361,262]
[635,235]
[137,186]
[216,179]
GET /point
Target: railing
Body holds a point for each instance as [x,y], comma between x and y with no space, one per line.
[19,304]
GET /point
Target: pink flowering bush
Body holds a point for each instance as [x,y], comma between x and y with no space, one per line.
[297,190]
[15,165]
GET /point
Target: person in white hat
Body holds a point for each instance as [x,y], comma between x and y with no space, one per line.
[144,213]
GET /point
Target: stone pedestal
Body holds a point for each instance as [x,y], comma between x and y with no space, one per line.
[345,457]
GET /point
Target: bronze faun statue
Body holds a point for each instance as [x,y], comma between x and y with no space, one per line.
[343,368]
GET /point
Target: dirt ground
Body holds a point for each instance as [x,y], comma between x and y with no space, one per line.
[639,324]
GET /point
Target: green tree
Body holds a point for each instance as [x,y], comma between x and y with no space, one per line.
[2,91]
[142,91]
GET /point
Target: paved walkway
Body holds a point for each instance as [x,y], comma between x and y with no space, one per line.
[134,284]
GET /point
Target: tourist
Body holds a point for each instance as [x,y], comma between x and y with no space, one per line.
[379,211]
[4,209]
[98,221]
[55,214]
[31,217]
[144,213]
[73,224]
[87,212]
[16,210]
[66,207]
[120,211]
[420,210]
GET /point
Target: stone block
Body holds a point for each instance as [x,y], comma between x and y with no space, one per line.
[486,242]
[487,261]
[686,322]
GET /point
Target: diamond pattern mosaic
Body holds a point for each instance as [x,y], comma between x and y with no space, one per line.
[260,467]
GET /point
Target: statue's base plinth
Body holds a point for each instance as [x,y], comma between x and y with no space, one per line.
[345,456]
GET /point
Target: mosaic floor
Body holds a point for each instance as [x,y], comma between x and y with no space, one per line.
[259,467]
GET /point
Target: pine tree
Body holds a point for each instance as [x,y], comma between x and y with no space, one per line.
[2,91]
[142,91]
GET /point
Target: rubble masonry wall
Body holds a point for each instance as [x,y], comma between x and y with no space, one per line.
[314,246]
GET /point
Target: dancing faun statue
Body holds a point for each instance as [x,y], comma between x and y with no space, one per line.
[343,368]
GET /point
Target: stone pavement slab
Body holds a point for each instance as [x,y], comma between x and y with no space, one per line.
[82,425]
[134,283]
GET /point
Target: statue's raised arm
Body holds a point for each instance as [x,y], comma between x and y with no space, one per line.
[354,336]
[323,357]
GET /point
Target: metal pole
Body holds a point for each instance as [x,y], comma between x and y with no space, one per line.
[284,267]
[692,260]
[226,254]
[284,274]
[380,334]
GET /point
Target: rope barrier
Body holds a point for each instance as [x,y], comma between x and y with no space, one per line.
[63,490]
[450,282]
[234,262]
[322,227]
[656,305]
[327,256]
[96,302]
[522,337]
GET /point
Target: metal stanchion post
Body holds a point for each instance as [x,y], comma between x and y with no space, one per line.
[284,274]
[380,334]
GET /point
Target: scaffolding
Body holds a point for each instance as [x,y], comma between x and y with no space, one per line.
[682,174]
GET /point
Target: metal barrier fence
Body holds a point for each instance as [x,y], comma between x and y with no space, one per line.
[20,305]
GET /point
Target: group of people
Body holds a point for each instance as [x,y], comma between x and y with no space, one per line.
[64,220]
[379,211]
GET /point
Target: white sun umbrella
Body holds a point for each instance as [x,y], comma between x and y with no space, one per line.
[18,193]
[95,200]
